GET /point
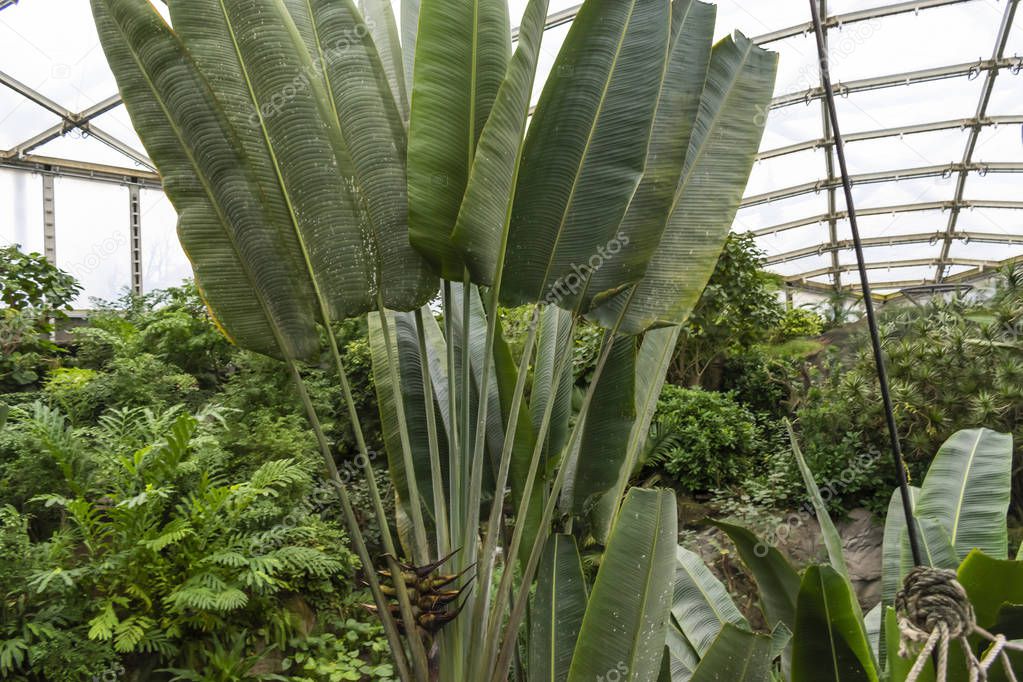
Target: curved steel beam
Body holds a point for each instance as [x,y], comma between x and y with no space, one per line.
[895,240]
[884,176]
[888,210]
[881,133]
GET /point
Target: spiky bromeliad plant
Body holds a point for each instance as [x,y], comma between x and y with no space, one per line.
[321,172]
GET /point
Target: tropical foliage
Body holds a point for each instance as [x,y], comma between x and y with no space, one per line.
[324,168]
[818,630]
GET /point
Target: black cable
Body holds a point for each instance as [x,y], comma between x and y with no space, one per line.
[868,302]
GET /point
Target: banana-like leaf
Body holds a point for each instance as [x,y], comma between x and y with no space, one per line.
[655,353]
[409,32]
[830,642]
[383,28]
[898,668]
[404,338]
[609,423]
[683,658]
[967,490]
[628,611]
[481,232]
[701,605]
[554,338]
[585,150]
[990,582]
[872,624]
[462,53]
[222,227]
[692,33]
[299,130]
[737,655]
[558,608]
[832,540]
[778,581]
[723,144]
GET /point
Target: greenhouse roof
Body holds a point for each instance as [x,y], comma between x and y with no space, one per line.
[928,94]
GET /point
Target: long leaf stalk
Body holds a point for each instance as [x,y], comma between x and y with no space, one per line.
[495,521]
[519,609]
[436,473]
[492,636]
[452,638]
[420,545]
[390,627]
[419,657]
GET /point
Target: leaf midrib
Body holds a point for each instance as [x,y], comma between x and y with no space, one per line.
[588,146]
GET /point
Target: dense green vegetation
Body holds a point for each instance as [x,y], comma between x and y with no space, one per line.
[160,485]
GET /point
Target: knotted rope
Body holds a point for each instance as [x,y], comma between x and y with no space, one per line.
[934,610]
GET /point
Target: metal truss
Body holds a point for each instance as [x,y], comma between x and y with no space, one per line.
[894,240]
[888,210]
[141,172]
[971,144]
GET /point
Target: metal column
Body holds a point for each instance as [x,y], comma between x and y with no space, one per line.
[49,220]
[135,211]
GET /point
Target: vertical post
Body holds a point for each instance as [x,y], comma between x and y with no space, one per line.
[49,220]
[135,215]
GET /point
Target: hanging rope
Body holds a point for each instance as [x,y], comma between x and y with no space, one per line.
[934,610]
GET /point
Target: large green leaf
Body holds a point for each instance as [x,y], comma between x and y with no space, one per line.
[586,148]
[655,354]
[683,658]
[405,348]
[383,28]
[778,581]
[462,51]
[626,618]
[554,340]
[990,582]
[722,146]
[558,607]
[481,232]
[967,490]
[678,105]
[244,266]
[830,642]
[701,604]
[257,50]
[609,422]
[898,668]
[832,540]
[737,655]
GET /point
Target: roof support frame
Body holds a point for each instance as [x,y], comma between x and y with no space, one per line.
[896,240]
[946,170]
[1001,40]
[889,210]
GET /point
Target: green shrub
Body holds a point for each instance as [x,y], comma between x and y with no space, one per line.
[704,439]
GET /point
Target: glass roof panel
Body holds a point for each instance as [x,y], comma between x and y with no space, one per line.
[1000,143]
[993,220]
[902,105]
[913,41]
[783,171]
[20,119]
[67,66]
[905,151]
